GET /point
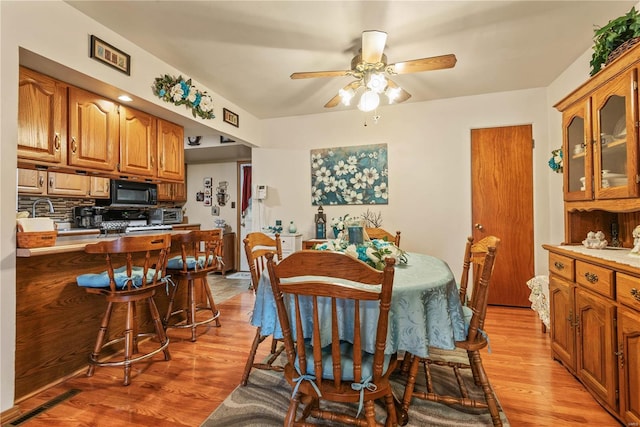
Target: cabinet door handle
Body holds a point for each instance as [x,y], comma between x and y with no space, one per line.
[56,141]
[635,294]
[620,355]
[591,277]
[41,181]
[50,182]
[74,145]
[559,265]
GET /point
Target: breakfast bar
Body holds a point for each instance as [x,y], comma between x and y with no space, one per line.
[56,320]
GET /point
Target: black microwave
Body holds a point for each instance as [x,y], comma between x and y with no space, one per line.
[131,193]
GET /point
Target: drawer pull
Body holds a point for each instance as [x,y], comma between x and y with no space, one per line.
[559,265]
[635,294]
[591,277]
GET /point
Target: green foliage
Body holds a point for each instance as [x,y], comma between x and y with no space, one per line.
[607,38]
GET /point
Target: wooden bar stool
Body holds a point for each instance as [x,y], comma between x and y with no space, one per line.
[200,253]
[132,276]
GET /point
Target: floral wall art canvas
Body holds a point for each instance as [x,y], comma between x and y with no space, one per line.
[355,175]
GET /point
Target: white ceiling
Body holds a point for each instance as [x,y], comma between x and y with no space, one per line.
[246,50]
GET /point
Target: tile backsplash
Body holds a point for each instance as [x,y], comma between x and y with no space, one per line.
[62,206]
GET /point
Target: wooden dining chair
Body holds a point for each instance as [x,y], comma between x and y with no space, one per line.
[381,233]
[136,268]
[481,264]
[334,335]
[199,254]
[256,246]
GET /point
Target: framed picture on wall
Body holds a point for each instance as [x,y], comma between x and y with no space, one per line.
[207,200]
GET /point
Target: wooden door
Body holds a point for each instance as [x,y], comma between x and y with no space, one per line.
[170,151]
[629,365]
[137,143]
[93,131]
[596,345]
[42,118]
[561,302]
[502,206]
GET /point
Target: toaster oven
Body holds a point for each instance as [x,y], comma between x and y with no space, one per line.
[165,216]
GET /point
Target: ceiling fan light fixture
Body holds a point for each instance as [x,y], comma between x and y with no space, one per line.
[369,101]
[346,96]
[377,82]
[393,93]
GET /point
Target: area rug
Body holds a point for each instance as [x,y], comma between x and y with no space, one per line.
[239,275]
[264,402]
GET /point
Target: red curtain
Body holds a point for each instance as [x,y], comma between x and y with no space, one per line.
[246,189]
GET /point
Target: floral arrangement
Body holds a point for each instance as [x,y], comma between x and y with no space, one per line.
[340,223]
[555,162]
[181,92]
[373,252]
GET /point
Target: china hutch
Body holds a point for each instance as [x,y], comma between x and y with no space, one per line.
[595,293]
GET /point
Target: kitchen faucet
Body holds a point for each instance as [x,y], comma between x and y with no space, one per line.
[42,200]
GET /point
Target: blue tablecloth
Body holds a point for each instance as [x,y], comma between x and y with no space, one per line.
[425,308]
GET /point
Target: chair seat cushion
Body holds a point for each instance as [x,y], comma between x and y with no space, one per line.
[346,350]
[176,263]
[101,280]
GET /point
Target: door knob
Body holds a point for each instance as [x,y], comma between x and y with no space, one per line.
[479,227]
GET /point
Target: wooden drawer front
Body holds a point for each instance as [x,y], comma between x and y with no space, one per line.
[561,265]
[628,290]
[599,279]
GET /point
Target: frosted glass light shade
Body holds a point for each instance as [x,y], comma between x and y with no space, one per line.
[369,101]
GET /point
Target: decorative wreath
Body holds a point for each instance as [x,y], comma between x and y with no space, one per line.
[181,92]
[555,162]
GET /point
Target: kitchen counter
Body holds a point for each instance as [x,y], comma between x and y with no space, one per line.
[76,239]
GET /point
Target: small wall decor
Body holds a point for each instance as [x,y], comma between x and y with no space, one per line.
[350,175]
[207,200]
[113,57]
[222,196]
[226,140]
[199,196]
[230,117]
[556,162]
[207,182]
[180,91]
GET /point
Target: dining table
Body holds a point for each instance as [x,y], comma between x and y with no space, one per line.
[425,307]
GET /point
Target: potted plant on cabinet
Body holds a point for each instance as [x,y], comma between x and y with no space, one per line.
[614,38]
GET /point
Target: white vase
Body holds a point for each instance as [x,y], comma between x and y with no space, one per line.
[292,227]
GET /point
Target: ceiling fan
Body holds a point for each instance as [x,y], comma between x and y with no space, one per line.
[372,73]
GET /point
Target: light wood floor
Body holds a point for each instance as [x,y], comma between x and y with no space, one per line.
[533,389]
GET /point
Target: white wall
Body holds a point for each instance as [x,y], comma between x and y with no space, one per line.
[429,166]
[196,211]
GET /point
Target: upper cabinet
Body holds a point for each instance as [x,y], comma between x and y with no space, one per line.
[73,130]
[137,143]
[170,151]
[93,131]
[600,141]
[42,119]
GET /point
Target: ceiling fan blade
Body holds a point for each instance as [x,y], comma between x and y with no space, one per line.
[404,95]
[336,99]
[373,43]
[424,64]
[311,74]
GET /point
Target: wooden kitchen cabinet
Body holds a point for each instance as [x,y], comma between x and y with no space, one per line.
[66,184]
[228,253]
[172,192]
[100,188]
[562,321]
[628,354]
[596,345]
[32,181]
[170,151]
[137,143]
[93,131]
[595,324]
[42,119]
